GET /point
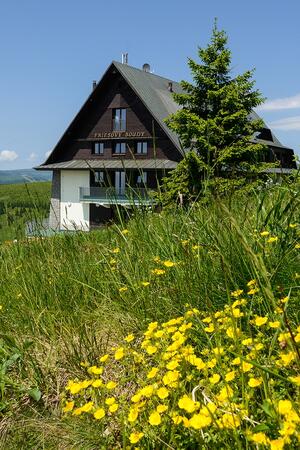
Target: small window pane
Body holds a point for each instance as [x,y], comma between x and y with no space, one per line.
[99,148]
[142,178]
[99,177]
[120,147]
[119,119]
[142,148]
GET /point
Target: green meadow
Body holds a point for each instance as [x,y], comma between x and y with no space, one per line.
[22,203]
[163,280]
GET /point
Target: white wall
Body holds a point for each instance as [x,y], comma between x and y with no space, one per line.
[73,214]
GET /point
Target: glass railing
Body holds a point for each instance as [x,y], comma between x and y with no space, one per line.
[110,195]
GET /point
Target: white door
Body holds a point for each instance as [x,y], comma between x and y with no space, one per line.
[120,182]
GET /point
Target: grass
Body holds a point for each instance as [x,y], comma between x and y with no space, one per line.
[67,299]
[22,203]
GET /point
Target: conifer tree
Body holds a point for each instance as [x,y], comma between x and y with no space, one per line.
[214,119]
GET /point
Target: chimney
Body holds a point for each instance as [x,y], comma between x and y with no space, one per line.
[124,58]
[94,84]
[170,86]
[146,67]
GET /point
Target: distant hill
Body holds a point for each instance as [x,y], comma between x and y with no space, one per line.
[23,176]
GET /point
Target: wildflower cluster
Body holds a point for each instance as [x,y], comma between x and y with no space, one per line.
[197,380]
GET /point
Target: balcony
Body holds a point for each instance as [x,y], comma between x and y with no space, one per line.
[107,196]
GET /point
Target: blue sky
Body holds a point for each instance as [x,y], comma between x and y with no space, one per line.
[50,51]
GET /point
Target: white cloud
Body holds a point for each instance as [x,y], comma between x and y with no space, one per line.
[47,154]
[8,155]
[289,123]
[32,156]
[281,103]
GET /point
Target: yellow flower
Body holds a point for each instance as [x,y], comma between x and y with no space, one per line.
[275,324]
[162,393]
[133,415]
[297,246]
[295,380]
[236,361]
[161,408]
[87,407]
[151,349]
[154,418]
[230,376]
[119,353]
[104,358]
[247,341]
[116,250]
[254,382]
[99,413]
[129,338]
[229,421]
[111,385]
[159,333]
[73,387]
[253,291]
[246,367]
[158,272]
[110,401]
[215,378]
[251,283]
[199,421]
[124,232]
[259,321]
[259,438]
[225,393]
[68,407]
[145,283]
[168,263]
[95,370]
[287,358]
[187,404]
[152,372]
[113,408]
[123,289]
[147,391]
[232,332]
[265,233]
[135,437]
[170,377]
[97,383]
[272,239]
[277,444]
[210,328]
[172,365]
[284,407]
[237,293]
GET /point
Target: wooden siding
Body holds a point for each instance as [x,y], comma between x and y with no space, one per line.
[116,93]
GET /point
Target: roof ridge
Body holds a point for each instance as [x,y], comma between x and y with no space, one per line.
[118,63]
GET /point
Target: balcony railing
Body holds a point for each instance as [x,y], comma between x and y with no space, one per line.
[110,196]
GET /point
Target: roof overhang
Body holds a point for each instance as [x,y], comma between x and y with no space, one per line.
[121,164]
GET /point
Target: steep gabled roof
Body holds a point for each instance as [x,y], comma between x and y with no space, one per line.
[154,93]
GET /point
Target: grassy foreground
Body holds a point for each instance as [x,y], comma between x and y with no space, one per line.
[68,300]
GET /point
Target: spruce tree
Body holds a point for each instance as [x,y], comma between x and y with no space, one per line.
[214,115]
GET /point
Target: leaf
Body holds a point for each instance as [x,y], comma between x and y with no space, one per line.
[261,427]
[266,407]
[35,394]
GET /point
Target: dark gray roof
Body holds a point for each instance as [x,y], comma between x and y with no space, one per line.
[145,164]
[154,93]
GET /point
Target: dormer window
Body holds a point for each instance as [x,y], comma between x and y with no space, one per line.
[142,148]
[119,119]
[98,148]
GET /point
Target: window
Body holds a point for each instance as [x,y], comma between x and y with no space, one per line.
[142,148]
[142,178]
[99,177]
[99,148]
[119,119]
[120,148]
